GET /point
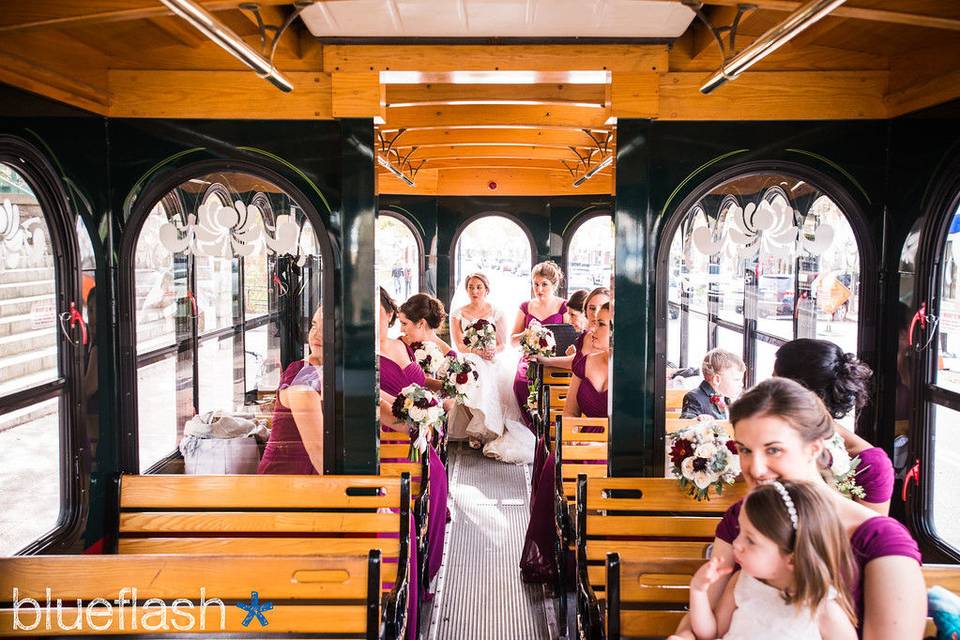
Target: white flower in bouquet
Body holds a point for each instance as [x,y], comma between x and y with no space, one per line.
[459,376]
[429,356]
[537,340]
[843,468]
[480,335]
[703,457]
[421,410]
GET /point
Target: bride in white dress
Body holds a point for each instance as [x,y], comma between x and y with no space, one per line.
[490,417]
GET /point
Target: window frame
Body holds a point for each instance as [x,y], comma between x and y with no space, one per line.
[853,211]
[570,232]
[944,203]
[60,219]
[388,212]
[131,361]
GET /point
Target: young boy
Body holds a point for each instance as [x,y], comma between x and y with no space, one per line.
[722,382]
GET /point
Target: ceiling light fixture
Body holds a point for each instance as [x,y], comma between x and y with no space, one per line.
[606,162]
[209,26]
[770,41]
[383,162]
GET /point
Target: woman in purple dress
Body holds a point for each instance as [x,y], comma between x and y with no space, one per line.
[579,349]
[780,429]
[587,397]
[296,438]
[546,308]
[420,317]
[398,370]
[842,381]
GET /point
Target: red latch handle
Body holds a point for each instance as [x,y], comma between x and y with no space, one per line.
[919,317]
[193,303]
[77,318]
[281,287]
[912,475]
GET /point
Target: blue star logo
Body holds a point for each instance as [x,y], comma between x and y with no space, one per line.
[255,609]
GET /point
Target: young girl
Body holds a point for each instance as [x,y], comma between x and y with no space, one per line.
[795,568]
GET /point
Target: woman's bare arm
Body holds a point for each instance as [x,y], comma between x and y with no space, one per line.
[560,362]
[721,549]
[894,599]
[306,406]
[456,332]
[517,329]
[572,408]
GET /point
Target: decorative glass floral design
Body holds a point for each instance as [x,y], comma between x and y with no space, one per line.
[772,228]
[20,239]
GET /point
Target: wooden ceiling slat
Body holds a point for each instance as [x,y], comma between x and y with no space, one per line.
[543,57]
[179,30]
[460,182]
[471,115]
[435,94]
[531,136]
[867,13]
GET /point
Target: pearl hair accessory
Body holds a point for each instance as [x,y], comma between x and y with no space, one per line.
[788,503]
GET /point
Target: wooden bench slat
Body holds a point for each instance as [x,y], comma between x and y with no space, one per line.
[389,451]
[256,522]
[390,547]
[255,492]
[673,591]
[674,398]
[657,494]
[703,527]
[597,550]
[573,429]
[576,453]
[570,471]
[650,624]
[556,376]
[173,576]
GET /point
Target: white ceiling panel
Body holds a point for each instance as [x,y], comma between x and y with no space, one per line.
[497,19]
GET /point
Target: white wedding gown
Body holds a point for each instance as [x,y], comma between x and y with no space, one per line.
[491,415]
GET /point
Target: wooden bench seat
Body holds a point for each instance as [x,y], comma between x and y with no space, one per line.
[641,519]
[338,597]
[274,515]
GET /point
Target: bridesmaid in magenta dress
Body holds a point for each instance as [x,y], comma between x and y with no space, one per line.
[296,439]
[842,381]
[577,351]
[546,308]
[421,316]
[587,397]
[398,370]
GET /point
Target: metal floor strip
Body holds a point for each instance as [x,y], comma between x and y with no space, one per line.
[479,593]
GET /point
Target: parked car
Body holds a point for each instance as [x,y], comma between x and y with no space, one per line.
[773,290]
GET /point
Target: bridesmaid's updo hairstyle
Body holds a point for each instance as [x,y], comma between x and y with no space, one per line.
[424,307]
[840,379]
[550,270]
[791,402]
[389,306]
[477,276]
[577,300]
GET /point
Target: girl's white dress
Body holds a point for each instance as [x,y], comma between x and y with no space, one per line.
[491,415]
[761,613]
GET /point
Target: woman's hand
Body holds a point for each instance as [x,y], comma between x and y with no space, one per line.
[488,354]
[683,635]
[448,405]
[708,574]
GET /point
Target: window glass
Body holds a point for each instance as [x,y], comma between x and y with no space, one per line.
[230,266]
[948,375]
[499,248]
[29,474]
[397,258]
[28,312]
[770,254]
[945,435]
[590,255]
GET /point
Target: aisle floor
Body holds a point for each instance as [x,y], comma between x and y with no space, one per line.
[479,592]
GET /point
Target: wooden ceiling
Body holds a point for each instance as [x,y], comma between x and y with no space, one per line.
[132,58]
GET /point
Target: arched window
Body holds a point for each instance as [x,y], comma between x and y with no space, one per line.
[943,392]
[226,265]
[500,248]
[754,262]
[398,257]
[38,281]
[590,255]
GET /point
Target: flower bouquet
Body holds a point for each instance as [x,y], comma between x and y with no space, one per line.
[428,356]
[537,340]
[421,410]
[701,457]
[480,335]
[843,468]
[459,377]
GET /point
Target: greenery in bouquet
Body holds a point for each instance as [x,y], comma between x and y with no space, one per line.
[703,457]
[480,335]
[459,377]
[420,409]
[843,468]
[429,356]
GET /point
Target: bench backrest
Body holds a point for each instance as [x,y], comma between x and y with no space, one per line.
[646,598]
[339,596]
[653,519]
[278,515]
[674,399]
[582,448]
